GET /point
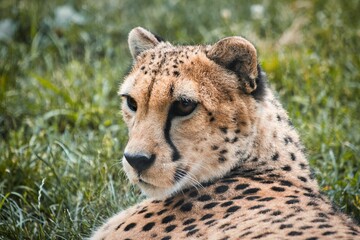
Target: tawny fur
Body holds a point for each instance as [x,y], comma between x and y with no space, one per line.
[244,172]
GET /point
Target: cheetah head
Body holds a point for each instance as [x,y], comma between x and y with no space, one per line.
[189,110]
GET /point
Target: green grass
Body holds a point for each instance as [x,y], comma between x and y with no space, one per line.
[61,131]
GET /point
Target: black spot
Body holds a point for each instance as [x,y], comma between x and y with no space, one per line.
[285,183]
[279,221]
[229,180]
[251,191]
[256,207]
[266,199]
[267,182]
[275,157]
[323,215]
[289,216]
[327,233]
[286,168]
[223,129]
[305,227]
[237,131]
[227,139]
[319,220]
[226,204]
[117,228]
[224,225]
[303,179]
[186,207]
[188,221]
[179,203]
[273,175]
[212,119]
[176,73]
[278,117]
[292,201]
[262,235]
[302,166]
[308,189]
[168,219]
[238,197]
[324,226]
[312,238]
[245,234]
[277,189]
[214,147]
[221,159]
[210,205]
[294,233]
[162,211]
[143,210]
[276,213]
[258,179]
[223,151]
[292,155]
[170,228]
[251,198]
[241,186]
[232,209]
[148,215]
[221,189]
[206,216]
[193,194]
[148,226]
[255,159]
[210,222]
[282,226]
[129,226]
[188,228]
[204,198]
[292,196]
[166,238]
[265,211]
[192,232]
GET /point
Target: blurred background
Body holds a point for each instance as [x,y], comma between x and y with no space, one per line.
[61,62]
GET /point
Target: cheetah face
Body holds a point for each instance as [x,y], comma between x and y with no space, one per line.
[188,111]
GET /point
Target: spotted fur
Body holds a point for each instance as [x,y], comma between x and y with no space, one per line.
[231,168]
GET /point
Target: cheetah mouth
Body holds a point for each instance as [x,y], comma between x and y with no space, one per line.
[141,182]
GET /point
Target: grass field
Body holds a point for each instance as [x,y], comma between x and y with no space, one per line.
[61,133]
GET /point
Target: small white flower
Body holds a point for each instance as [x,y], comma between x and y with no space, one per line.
[7,29]
[257,11]
[64,15]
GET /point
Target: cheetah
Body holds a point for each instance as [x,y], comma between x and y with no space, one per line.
[214,150]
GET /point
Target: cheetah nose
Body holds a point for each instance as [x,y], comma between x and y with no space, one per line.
[139,162]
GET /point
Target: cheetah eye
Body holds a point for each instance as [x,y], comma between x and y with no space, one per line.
[131,103]
[183,107]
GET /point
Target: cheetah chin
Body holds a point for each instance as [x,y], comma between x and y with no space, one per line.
[214,150]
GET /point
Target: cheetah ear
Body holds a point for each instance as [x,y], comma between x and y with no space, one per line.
[140,40]
[238,55]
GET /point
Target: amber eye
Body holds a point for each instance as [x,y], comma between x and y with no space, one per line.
[131,103]
[183,107]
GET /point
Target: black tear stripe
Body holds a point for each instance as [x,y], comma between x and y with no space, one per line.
[175,155]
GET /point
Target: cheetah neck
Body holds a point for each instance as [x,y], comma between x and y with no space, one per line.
[276,150]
